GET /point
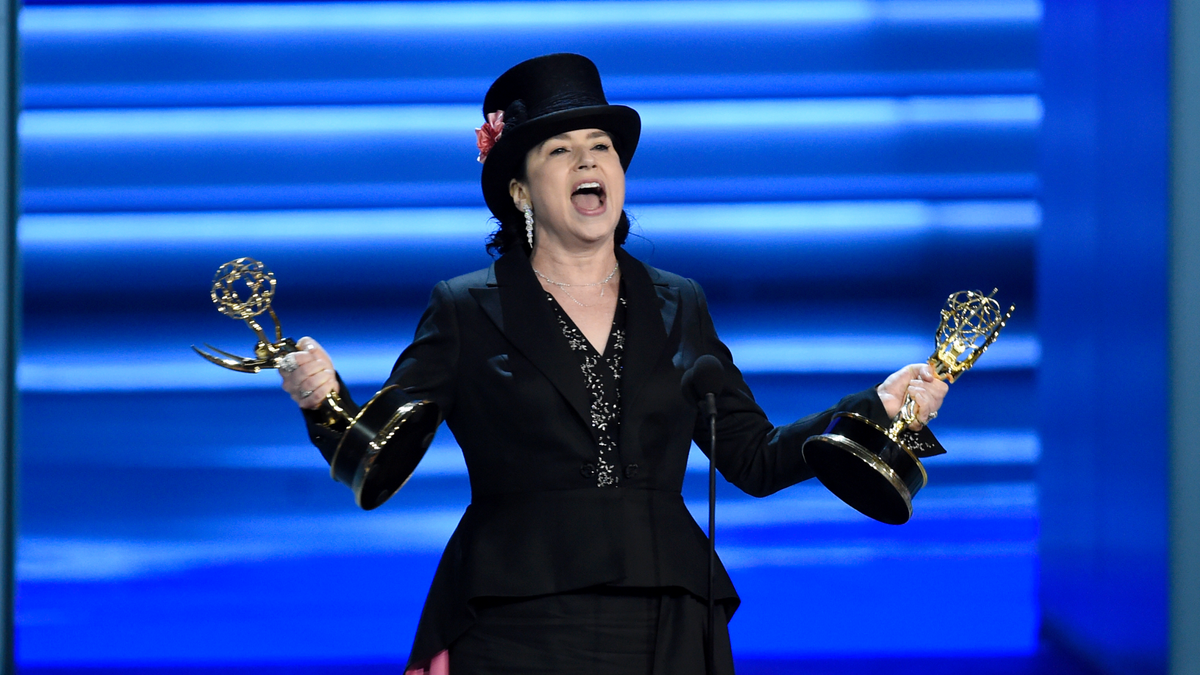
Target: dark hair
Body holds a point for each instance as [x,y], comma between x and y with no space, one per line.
[511,232]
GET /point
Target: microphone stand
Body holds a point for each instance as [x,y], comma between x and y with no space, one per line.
[710,409]
[703,381]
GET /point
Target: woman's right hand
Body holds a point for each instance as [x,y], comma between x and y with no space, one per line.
[311,378]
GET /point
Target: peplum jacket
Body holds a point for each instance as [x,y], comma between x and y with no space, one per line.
[489,352]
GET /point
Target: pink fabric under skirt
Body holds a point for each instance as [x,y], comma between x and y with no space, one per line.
[439,665]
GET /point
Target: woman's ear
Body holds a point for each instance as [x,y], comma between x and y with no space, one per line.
[519,194]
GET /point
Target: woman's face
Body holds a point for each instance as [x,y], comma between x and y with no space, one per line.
[576,186]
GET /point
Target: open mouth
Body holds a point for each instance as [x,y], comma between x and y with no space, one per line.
[588,197]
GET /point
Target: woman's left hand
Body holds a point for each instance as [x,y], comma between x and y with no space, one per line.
[917,381]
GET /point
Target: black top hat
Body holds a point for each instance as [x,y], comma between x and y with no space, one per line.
[541,98]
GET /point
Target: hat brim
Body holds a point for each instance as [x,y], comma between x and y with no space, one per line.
[505,159]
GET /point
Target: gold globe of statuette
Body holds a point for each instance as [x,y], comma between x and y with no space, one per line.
[380,445]
[878,471]
[250,274]
[969,316]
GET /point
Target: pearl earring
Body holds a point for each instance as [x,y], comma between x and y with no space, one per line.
[529,225]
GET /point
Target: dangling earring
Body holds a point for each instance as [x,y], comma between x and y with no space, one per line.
[529,225]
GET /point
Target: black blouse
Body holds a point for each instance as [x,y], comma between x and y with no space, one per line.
[602,377]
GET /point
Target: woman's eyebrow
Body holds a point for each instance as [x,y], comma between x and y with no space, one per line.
[563,137]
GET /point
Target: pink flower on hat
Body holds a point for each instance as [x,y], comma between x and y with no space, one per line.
[487,135]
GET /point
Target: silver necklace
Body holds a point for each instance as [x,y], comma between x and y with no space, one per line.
[564,286]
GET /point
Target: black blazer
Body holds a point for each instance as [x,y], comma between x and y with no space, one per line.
[490,353]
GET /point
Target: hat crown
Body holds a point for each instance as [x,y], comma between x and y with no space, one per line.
[546,85]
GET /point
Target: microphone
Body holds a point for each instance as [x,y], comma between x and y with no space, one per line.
[703,381]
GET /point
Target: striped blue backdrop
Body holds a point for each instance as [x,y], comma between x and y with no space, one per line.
[829,170]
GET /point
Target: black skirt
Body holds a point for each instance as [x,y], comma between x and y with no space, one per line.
[605,631]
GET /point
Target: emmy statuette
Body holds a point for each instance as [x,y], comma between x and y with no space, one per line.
[380,445]
[878,471]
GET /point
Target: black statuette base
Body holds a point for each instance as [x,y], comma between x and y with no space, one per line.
[383,445]
[857,461]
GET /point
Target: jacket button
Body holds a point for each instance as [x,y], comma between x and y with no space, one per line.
[588,470]
[631,470]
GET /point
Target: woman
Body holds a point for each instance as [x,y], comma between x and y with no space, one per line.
[558,370]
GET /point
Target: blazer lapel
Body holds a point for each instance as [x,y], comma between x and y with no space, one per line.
[516,303]
[650,318]
[489,299]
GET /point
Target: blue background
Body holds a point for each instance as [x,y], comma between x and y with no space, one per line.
[829,171]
